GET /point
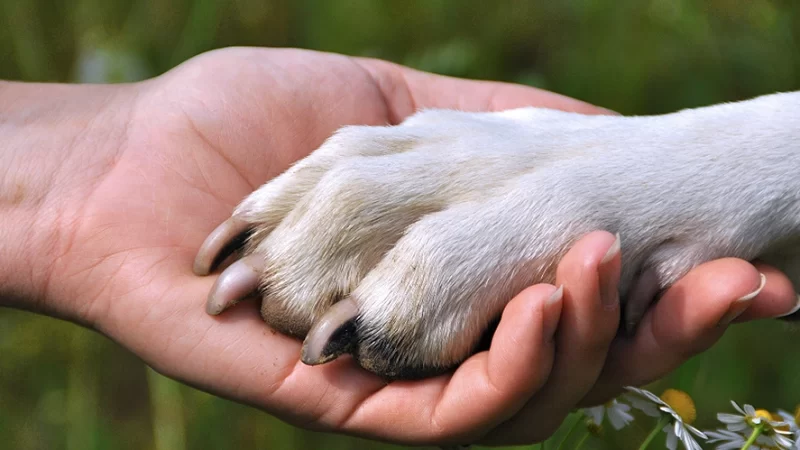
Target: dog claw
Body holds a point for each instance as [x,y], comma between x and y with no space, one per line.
[333,335]
[218,245]
[235,283]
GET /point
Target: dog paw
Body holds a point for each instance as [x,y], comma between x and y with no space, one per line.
[400,245]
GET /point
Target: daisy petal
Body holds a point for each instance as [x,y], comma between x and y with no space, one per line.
[672,440]
[595,413]
[696,432]
[729,418]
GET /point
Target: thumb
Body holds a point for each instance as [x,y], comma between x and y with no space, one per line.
[407,90]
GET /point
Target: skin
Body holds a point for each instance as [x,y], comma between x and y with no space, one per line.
[107,192]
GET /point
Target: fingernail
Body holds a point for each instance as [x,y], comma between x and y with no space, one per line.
[610,112]
[741,304]
[608,276]
[612,251]
[793,310]
[556,296]
[553,317]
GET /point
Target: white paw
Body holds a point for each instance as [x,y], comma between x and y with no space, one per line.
[422,232]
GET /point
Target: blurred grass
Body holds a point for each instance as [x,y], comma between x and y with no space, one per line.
[63,387]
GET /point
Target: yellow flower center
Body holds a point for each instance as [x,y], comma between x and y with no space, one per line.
[797,414]
[764,414]
[681,403]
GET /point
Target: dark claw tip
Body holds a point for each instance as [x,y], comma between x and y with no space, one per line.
[333,335]
[218,245]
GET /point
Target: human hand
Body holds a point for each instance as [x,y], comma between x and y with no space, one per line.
[104,217]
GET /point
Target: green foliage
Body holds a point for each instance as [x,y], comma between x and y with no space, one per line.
[63,387]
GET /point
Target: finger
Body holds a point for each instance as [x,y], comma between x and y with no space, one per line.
[407,90]
[588,324]
[486,389]
[689,317]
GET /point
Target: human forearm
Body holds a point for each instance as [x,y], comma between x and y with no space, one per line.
[52,138]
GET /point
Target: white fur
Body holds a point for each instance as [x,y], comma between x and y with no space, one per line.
[433,225]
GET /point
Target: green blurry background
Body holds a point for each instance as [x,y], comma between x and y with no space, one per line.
[62,387]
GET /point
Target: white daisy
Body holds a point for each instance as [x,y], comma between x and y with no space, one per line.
[793,426]
[787,417]
[618,414]
[775,441]
[730,440]
[675,406]
[772,430]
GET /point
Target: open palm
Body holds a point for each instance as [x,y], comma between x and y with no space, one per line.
[195,142]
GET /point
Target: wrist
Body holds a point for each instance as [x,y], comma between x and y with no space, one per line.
[50,136]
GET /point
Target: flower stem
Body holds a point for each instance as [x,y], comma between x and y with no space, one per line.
[659,426]
[753,436]
[583,440]
[571,430]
